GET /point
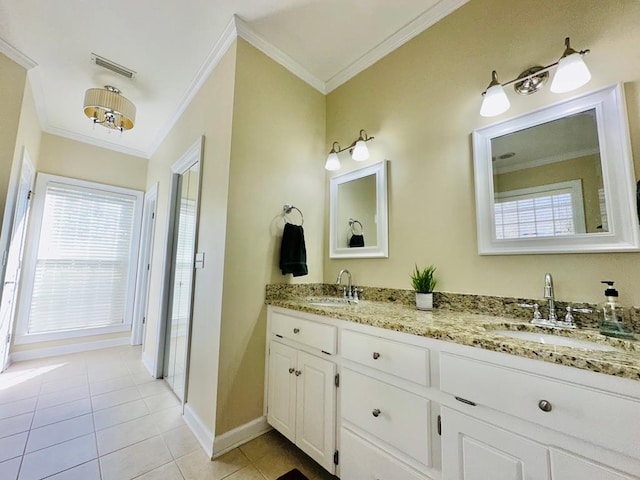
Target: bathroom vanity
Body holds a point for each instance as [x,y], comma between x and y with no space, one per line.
[381,390]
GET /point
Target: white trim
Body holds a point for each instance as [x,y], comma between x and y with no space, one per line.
[97,142]
[211,62]
[145,259]
[428,18]
[500,167]
[247,33]
[239,436]
[199,429]
[16,55]
[66,349]
[148,364]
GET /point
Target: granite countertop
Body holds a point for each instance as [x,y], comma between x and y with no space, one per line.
[480,331]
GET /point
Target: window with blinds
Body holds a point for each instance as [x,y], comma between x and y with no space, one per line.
[83,269]
[543,211]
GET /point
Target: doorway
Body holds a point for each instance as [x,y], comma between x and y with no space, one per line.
[13,251]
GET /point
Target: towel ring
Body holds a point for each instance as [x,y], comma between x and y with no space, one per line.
[352,227]
[287,209]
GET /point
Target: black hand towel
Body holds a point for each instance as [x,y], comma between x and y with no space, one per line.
[356,241]
[293,253]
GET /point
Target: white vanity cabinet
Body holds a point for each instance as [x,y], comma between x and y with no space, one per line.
[301,392]
[514,421]
[386,409]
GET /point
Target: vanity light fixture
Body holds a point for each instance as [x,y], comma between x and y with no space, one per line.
[358,150]
[106,107]
[571,73]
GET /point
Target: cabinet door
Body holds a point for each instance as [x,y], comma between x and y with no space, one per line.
[282,389]
[316,409]
[474,450]
[565,466]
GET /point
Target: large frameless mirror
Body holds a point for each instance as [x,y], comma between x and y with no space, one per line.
[556,180]
[358,213]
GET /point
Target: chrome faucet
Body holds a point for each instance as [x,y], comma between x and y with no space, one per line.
[550,297]
[347,290]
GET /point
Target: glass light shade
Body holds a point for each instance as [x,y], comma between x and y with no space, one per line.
[495,102]
[572,73]
[108,108]
[360,151]
[333,162]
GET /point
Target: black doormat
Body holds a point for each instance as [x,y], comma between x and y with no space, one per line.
[293,475]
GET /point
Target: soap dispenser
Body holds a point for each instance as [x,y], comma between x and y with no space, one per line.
[613,315]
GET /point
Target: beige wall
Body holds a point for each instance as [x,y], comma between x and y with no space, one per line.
[68,158]
[421,102]
[209,114]
[12,84]
[276,158]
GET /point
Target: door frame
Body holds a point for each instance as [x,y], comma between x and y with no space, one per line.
[23,166]
[193,155]
[145,257]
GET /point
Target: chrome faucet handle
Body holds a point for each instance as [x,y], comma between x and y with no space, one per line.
[536,310]
[569,320]
[354,296]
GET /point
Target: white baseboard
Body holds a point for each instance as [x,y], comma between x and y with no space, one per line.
[199,429]
[239,436]
[148,364]
[66,349]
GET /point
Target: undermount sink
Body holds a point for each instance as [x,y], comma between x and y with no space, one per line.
[327,302]
[557,340]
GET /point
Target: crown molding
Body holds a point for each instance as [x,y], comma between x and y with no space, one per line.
[219,49]
[96,142]
[428,18]
[506,167]
[273,52]
[16,55]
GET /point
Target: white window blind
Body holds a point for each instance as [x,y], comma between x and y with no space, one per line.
[543,211]
[183,265]
[82,273]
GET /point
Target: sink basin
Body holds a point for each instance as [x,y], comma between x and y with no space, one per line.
[327,302]
[557,340]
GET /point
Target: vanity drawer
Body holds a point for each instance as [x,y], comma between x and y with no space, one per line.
[313,334]
[361,460]
[393,415]
[599,417]
[399,359]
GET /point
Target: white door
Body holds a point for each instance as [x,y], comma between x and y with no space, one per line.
[144,267]
[282,389]
[566,466]
[474,450]
[12,256]
[316,409]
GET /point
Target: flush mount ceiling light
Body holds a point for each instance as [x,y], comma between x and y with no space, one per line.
[106,107]
[571,73]
[358,150]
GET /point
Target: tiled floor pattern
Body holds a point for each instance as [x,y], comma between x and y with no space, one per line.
[100,416]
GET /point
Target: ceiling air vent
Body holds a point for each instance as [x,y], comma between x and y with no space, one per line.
[114,67]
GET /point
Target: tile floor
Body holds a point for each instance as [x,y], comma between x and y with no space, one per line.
[100,415]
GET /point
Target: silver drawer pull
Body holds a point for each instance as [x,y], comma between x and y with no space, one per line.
[545,406]
[296,330]
[376,412]
[376,355]
[291,370]
[298,373]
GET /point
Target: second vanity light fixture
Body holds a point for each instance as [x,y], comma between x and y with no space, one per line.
[571,73]
[358,149]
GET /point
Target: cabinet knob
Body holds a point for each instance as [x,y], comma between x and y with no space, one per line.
[298,373]
[296,330]
[545,406]
[376,355]
[291,370]
[376,412]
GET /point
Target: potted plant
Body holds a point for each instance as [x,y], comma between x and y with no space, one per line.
[424,282]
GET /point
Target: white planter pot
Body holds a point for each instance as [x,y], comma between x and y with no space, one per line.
[424,301]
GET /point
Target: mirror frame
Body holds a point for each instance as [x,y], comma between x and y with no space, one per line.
[617,171]
[381,250]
